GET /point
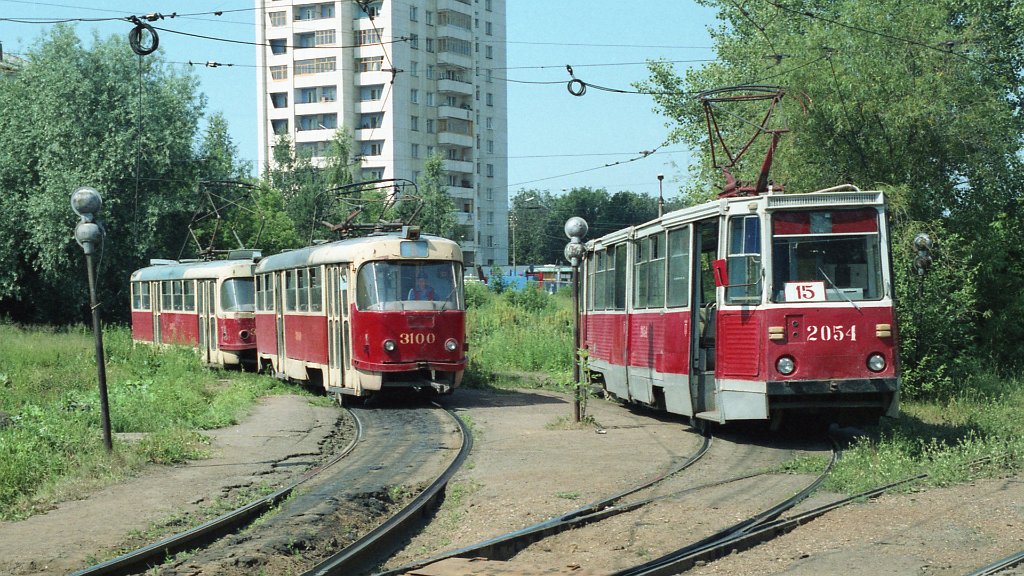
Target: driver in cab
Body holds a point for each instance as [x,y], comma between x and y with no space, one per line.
[422,290]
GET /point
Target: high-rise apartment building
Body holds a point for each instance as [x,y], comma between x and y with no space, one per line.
[409,80]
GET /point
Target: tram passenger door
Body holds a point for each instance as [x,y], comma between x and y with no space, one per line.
[704,310]
[207,320]
[279,319]
[337,322]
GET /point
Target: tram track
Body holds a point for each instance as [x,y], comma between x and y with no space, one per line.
[392,455]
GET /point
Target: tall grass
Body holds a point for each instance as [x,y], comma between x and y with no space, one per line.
[50,427]
[516,334]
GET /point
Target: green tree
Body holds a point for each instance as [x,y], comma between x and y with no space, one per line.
[438,213]
[83,120]
[918,98]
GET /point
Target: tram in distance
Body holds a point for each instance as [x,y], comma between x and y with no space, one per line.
[353,316]
[748,308]
[207,305]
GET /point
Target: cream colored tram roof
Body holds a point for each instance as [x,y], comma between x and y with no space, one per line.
[374,247]
[193,270]
[676,218]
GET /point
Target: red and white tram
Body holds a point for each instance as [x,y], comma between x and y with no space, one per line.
[206,305]
[745,308]
[364,314]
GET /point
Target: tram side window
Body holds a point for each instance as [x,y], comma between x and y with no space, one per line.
[618,298]
[679,267]
[178,301]
[166,298]
[315,290]
[744,260]
[598,301]
[140,296]
[289,290]
[649,272]
[302,290]
[189,289]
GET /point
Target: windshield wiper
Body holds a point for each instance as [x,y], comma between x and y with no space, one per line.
[836,288]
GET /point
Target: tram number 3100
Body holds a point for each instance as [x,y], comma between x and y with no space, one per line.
[416,338]
[832,333]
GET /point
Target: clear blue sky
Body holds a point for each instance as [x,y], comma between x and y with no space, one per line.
[556,141]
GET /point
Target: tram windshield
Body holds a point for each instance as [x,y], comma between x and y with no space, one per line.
[238,295]
[408,285]
[826,255]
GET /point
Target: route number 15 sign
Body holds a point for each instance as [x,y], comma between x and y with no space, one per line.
[805,292]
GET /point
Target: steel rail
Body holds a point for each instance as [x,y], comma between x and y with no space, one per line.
[1000,565]
[360,553]
[507,545]
[156,553]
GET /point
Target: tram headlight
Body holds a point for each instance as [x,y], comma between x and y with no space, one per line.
[389,346]
[244,335]
[451,344]
[876,362]
[785,365]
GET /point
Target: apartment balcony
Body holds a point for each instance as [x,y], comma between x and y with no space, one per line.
[453,59]
[454,112]
[464,218]
[465,191]
[446,86]
[457,5]
[458,166]
[450,31]
[453,139]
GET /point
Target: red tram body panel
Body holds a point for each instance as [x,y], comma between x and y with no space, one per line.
[204,305]
[748,307]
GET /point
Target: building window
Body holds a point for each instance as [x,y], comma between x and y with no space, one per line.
[316,122]
[430,71]
[366,37]
[315,11]
[373,120]
[373,174]
[278,18]
[487,5]
[414,13]
[430,126]
[430,18]
[279,99]
[489,51]
[430,151]
[414,150]
[414,69]
[414,41]
[490,146]
[414,123]
[370,64]
[369,93]
[315,65]
[430,44]
[490,123]
[279,126]
[279,72]
[455,46]
[371,148]
[490,170]
[414,96]
[488,29]
[489,75]
[370,11]
[490,194]
[490,217]
[490,99]
[430,98]
[278,46]
[316,94]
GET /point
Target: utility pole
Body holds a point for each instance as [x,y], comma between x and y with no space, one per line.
[575,228]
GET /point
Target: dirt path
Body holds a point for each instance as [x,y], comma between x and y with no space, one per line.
[278,441]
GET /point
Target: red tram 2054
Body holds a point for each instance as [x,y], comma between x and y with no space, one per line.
[746,308]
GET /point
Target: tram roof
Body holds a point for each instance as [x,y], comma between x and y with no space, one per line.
[363,248]
[173,270]
[769,202]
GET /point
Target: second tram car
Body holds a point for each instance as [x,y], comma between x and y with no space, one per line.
[746,308]
[364,314]
[206,305]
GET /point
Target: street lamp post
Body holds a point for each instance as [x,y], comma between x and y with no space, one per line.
[86,202]
[661,196]
[575,228]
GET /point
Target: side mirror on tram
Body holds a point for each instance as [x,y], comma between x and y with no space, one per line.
[718,268]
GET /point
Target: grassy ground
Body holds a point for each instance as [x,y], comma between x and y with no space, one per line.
[51,445]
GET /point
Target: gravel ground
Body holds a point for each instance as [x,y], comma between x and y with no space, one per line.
[528,464]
